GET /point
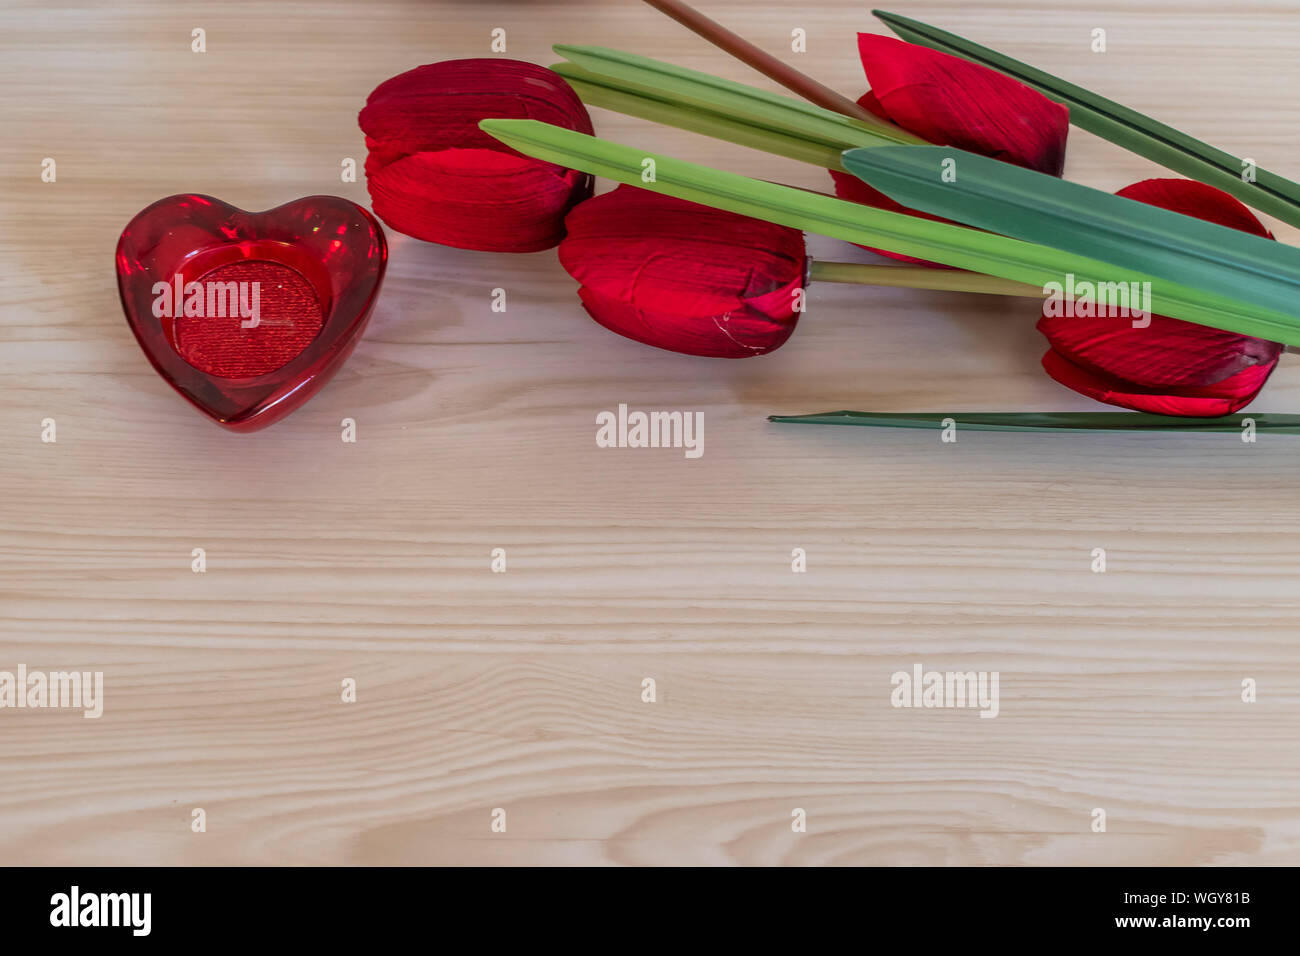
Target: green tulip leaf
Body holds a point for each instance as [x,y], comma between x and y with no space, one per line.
[1049,421]
[634,75]
[1128,128]
[596,89]
[1012,201]
[958,246]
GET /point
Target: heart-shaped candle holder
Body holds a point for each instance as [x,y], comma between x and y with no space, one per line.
[248,314]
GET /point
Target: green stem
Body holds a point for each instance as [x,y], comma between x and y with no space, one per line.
[920,277]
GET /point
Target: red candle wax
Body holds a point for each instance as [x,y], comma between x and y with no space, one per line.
[289,317]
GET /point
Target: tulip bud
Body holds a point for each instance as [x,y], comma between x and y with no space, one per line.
[1169,367]
[685,277]
[949,101]
[433,174]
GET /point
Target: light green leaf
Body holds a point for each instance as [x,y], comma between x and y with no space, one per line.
[596,90]
[633,74]
[935,241]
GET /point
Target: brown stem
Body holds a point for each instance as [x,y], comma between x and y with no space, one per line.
[814,92]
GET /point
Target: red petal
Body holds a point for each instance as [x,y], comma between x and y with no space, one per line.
[684,277]
[1210,401]
[1170,353]
[739,332]
[953,102]
[433,174]
[1171,366]
[1196,199]
[477,199]
[439,105]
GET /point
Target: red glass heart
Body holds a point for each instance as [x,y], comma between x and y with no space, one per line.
[283,296]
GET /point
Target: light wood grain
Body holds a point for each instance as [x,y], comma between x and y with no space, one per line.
[476,431]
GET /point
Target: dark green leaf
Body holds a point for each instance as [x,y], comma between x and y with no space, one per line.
[1049,421]
[1128,128]
[1035,207]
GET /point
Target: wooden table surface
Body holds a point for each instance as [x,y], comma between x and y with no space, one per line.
[522,691]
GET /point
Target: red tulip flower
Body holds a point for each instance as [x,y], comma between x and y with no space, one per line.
[685,277]
[433,174]
[1169,367]
[949,101]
